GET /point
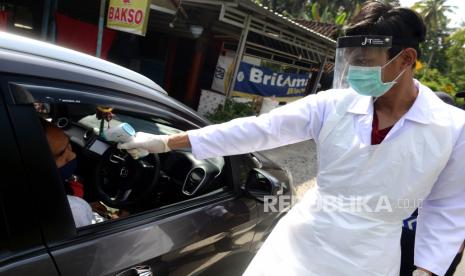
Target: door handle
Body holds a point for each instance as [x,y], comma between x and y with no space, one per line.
[140,270]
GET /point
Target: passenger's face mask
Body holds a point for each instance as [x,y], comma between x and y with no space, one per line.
[367,81]
[67,170]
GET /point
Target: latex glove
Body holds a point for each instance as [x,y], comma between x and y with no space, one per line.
[149,142]
[419,272]
[136,153]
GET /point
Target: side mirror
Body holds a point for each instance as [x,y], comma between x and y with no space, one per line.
[261,183]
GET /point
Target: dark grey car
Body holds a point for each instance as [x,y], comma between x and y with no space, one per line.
[186,216]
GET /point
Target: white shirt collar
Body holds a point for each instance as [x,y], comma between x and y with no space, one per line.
[418,112]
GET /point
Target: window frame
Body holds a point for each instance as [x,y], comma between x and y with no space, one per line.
[21,234]
[21,95]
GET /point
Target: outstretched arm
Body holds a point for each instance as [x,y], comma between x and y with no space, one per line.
[297,121]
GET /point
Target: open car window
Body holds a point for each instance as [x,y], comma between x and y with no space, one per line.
[106,183]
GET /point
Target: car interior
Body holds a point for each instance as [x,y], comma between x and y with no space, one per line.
[113,179]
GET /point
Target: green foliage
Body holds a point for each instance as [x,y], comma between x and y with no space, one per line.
[434,14]
[455,55]
[230,110]
[341,18]
[326,11]
[279,67]
[292,8]
[333,12]
[435,80]
[336,12]
[443,52]
[315,11]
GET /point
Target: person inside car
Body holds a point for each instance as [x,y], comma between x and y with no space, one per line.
[65,160]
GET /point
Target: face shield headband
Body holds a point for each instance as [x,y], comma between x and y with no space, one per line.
[360,53]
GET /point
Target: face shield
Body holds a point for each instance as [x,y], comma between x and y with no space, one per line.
[359,52]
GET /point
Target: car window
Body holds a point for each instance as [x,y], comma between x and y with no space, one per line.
[103,183]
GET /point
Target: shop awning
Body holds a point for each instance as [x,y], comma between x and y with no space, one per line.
[270,33]
[257,31]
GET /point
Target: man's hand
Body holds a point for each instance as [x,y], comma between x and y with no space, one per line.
[149,142]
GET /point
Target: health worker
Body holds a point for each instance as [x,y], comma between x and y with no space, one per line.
[386,145]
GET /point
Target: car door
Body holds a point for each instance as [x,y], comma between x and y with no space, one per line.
[22,251]
[202,235]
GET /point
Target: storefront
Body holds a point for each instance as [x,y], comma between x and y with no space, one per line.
[191,46]
[216,45]
[258,52]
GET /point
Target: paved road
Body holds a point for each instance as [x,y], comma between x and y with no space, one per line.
[300,159]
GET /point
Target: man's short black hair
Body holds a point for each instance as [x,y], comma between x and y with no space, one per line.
[405,25]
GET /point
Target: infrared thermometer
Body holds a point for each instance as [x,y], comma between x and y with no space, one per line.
[122,133]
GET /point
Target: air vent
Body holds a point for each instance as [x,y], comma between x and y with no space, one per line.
[193,181]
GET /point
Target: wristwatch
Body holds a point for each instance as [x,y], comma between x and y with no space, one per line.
[418,272]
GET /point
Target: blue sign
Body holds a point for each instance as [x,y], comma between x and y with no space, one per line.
[262,81]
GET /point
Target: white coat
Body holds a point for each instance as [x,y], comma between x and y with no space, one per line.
[421,161]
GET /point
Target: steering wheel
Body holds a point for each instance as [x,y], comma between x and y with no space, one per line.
[122,181]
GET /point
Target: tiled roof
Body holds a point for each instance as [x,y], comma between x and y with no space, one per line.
[292,21]
[326,29]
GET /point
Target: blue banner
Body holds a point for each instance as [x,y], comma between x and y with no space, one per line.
[262,81]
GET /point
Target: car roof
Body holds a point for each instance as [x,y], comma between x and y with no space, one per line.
[29,57]
[42,49]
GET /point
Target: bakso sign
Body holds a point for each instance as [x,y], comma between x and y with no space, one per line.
[263,81]
[128,15]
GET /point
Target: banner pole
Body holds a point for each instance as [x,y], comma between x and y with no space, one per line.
[101,20]
[239,55]
[45,19]
[320,73]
